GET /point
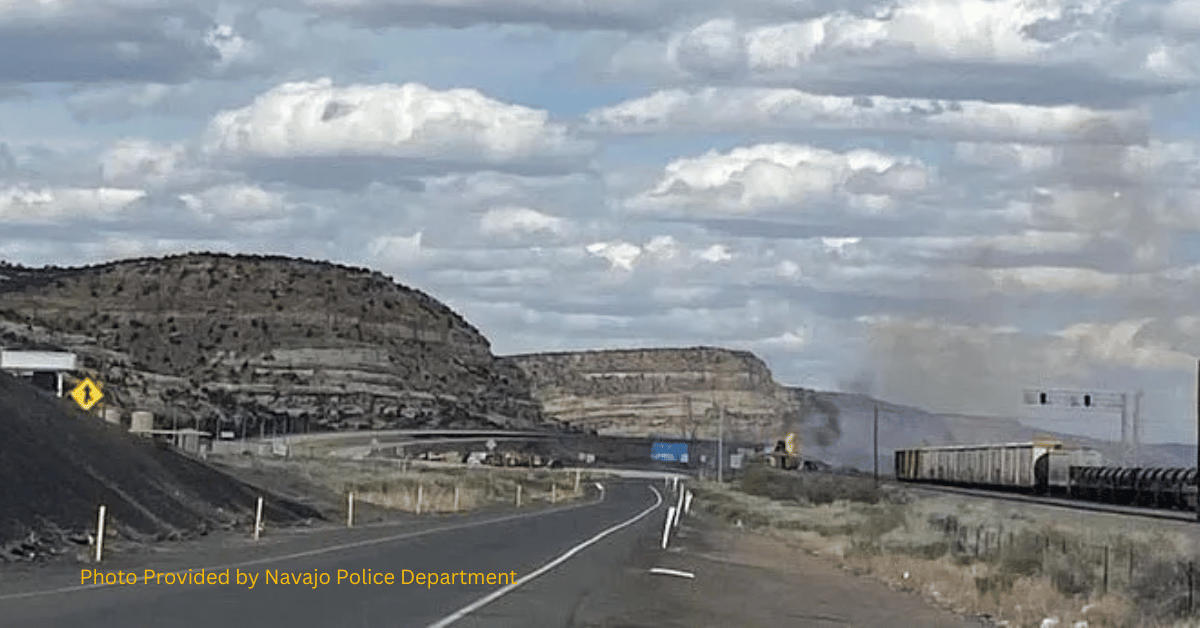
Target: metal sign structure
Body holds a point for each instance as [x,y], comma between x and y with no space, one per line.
[87,394]
[1075,399]
[789,443]
[1098,401]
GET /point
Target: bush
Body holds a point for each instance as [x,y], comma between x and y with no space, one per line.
[808,487]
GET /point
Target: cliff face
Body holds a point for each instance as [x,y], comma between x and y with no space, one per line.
[266,344]
[672,393]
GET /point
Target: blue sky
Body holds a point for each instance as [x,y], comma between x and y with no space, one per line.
[943,203]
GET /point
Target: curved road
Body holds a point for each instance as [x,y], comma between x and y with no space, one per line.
[560,557]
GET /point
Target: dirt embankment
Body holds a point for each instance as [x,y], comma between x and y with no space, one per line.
[57,466]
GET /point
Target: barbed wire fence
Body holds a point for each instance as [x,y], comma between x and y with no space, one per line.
[1160,581]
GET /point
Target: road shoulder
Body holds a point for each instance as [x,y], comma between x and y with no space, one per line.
[746,579]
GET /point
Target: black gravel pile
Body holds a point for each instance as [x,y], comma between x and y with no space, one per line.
[58,465]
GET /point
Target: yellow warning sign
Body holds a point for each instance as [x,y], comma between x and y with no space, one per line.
[87,394]
[790,444]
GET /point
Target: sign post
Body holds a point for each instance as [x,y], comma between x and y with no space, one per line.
[876,444]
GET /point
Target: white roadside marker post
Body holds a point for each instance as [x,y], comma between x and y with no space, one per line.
[350,509]
[667,526]
[258,519]
[100,533]
[455,498]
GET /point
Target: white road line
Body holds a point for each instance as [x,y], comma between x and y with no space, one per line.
[499,593]
[672,572]
[318,551]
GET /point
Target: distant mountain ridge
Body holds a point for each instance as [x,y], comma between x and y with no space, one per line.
[266,343]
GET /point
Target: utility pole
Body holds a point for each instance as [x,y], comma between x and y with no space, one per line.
[721,444]
[876,444]
[1137,428]
[690,431]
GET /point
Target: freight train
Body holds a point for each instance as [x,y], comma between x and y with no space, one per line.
[1048,468]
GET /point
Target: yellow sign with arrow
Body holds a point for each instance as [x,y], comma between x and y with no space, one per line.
[87,394]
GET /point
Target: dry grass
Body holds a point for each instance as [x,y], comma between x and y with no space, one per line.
[1017,564]
[396,485]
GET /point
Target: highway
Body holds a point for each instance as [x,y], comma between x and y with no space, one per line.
[560,558]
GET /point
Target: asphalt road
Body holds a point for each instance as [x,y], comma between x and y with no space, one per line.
[559,557]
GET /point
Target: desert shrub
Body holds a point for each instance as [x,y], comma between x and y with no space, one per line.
[1160,589]
[807,487]
[1023,557]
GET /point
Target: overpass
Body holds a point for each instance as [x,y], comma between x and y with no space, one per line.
[362,443]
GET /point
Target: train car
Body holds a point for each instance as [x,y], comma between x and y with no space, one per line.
[1035,467]
[1010,466]
[1170,488]
[1056,467]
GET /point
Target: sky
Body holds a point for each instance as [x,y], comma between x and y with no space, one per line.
[936,202]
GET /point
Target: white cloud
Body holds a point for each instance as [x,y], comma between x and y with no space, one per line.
[410,121]
[27,205]
[792,341]
[620,255]
[396,251]
[516,221]
[238,202]
[663,247]
[969,48]
[1116,343]
[582,15]
[756,109]
[1057,280]
[715,254]
[768,176]
[133,161]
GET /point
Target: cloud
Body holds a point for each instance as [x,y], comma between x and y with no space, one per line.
[520,221]
[730,109]
[75,41]
[237,202]
[621,255]
[139,162]
[570,15]
[1004,51]
[765,177]
[47,206]
[112,103]
[396,251]
[373,132]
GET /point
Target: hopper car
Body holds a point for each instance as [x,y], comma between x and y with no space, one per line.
[1048,469]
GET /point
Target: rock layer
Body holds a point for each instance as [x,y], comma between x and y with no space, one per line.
[674,393]
[266,344]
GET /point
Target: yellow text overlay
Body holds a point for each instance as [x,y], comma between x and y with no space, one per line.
[311,579]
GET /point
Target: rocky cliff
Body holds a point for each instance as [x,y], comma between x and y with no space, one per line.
[676,393]
[266,344]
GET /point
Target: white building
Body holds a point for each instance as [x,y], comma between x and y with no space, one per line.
[45,368]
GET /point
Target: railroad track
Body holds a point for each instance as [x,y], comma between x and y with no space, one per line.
[1056,502]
